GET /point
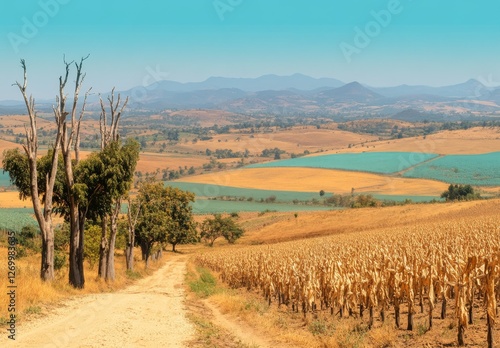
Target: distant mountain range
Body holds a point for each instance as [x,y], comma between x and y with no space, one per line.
[301,94]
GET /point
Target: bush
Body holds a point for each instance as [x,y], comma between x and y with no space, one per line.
[271,199]
[30,239]
[59,260]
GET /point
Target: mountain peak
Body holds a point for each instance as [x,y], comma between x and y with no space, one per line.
[352,91]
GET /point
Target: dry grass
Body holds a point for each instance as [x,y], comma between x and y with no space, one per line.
[10,199]
[5,145]
[207,118]
[149,162]
[471,141]
[314,179]
[320,329]
[276,227]
[295,140]
[37,297]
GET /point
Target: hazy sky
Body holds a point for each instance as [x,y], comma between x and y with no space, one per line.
[134,43]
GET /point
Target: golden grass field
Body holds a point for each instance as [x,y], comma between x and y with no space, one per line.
[10,199]
[296,140]
[275,227]
[471,141]
[207,118]
[314,179]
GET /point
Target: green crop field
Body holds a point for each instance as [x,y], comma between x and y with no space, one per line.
[16,218]
[480,170]
[239,198]
[209,190]
[402,198]
[205,206]
[374,162]
[4,178]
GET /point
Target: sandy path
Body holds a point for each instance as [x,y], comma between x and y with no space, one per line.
[149,313]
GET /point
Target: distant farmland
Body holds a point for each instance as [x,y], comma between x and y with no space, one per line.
[372,162]
[14,219]
[480,170]
[4,179]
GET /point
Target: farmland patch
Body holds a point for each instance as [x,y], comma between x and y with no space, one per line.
[373,162]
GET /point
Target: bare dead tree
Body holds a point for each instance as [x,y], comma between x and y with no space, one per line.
[109,133]
[70,130]
[43,214]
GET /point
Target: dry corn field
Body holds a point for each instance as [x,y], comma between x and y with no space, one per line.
[447,270]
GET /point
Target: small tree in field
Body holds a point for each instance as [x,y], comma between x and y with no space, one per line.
[460,193]
[213,228]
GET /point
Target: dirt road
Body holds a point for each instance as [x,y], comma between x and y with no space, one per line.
[148,314]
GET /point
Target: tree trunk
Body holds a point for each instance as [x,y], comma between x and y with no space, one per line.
[131,234]
[110,260]
[103,247]
[47,265]
[144,251]
[76,276]
[129,257]
[173,247]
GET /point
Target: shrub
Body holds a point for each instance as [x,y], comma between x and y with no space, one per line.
[59,260]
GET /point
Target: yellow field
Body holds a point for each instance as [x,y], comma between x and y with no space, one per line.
[354,268]
[471,141]
[296,140]
[276,227]
[10,199]
[206,118]
[5,145]
[313,179]
[149,162]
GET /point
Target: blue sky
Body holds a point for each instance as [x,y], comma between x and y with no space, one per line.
[133,43]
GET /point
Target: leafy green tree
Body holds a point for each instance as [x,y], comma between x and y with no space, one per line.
[106,177]
[213,228]
[182,227]
[165,217]
[460,193]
